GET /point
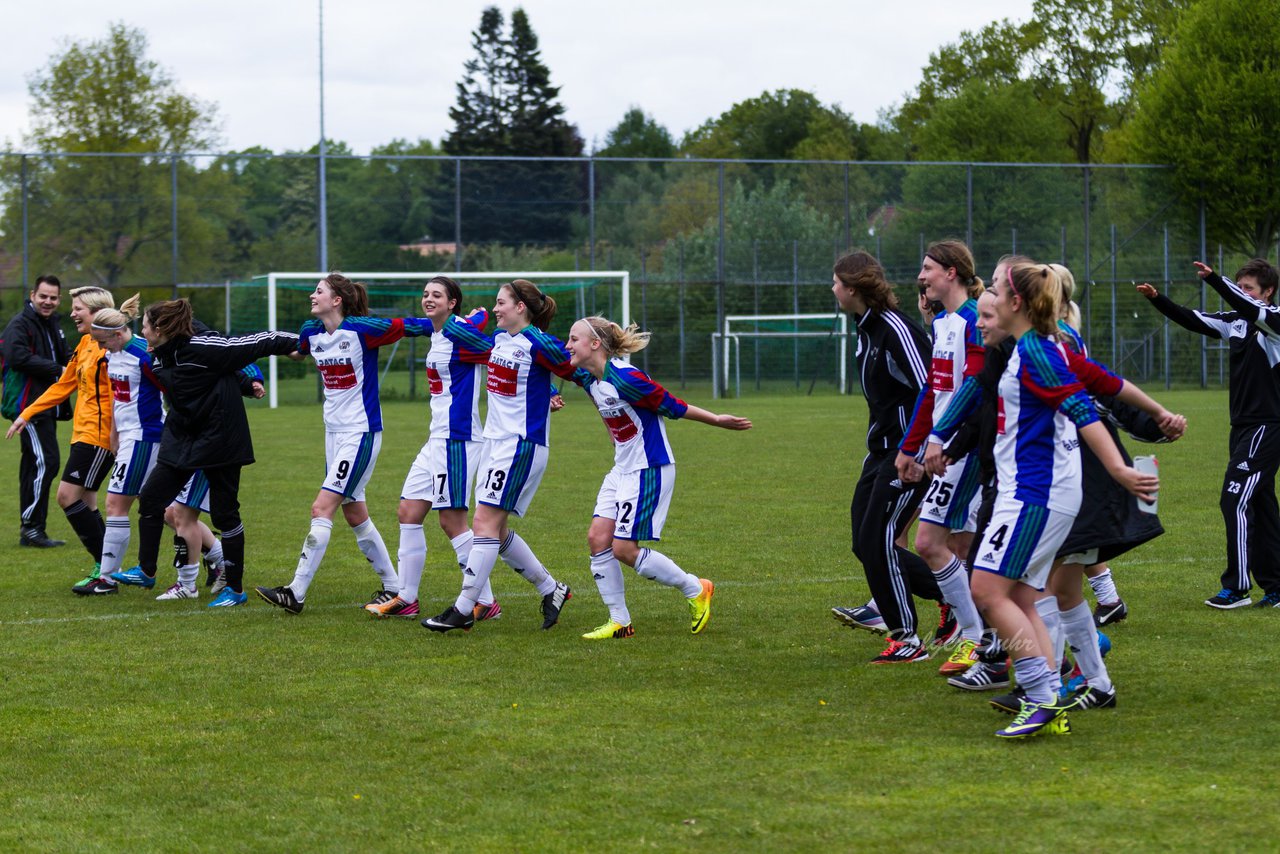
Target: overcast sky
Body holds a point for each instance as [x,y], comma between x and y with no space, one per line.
[391,65]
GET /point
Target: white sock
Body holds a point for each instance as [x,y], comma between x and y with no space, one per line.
[375,550]
[1104,588]
[953,581]
[412,556]
[115,542]
[607,573]
[462,548]
[313,549]
[214,555]
[1082,634]
[656,566]
[516,552]
[187,575]
[1034,677]
[484,554]
[1052,618]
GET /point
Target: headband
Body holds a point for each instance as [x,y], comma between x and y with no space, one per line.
[1012,286]
[108,328]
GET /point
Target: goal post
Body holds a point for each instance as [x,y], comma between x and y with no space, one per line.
[726,344]
[402,286]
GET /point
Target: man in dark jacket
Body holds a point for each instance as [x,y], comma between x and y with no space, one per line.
[35,351]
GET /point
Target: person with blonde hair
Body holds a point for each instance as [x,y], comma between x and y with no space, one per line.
[632,504]
[91,457]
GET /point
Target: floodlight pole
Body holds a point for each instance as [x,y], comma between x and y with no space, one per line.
[322,227]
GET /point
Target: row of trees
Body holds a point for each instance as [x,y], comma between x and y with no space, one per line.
[1192,84]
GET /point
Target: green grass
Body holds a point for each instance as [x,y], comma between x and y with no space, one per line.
[129,724]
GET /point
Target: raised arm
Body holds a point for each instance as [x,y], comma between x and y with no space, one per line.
[1190,320]
[1263,315]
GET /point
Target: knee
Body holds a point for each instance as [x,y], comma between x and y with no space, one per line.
[356,513]
[626,551]
[411,512]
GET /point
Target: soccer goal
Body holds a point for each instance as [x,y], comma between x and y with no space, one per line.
[399,295]
[817,330]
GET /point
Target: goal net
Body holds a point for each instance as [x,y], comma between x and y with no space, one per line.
[794,347]
[287,306]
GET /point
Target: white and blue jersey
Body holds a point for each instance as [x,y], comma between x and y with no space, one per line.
[519,385]
[957,353]
[633,407]
[347,359]
[135,393]
[458,349]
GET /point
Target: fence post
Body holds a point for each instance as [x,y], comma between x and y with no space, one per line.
[457,215]
[795,306]
[1204,253]
[848,218]
[968,217]
[1088,262]
[680,305]
[755,301]
[591,208]
[173,218]
[644,304]
[720,307]
[1115,357]
[26,254]
[1168,380]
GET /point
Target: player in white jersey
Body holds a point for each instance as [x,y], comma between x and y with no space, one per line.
[443,474]
[1043,413]
[632,503]
[343,340]
[949,277]
[514,456]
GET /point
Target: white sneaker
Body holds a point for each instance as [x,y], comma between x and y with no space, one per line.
[177,591]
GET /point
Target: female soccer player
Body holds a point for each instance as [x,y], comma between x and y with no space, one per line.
[344,342]
[206,430]
[1038,463]
[444,472]
[90,459]
[949,277]
[633,500]
[1249,507]
[893,354]
[514,456]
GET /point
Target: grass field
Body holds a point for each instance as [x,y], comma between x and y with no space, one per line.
[130,724]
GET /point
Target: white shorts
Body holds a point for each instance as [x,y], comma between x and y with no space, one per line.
[134,461]
[195,494]
[349,459]
[637,501]
[509,473]
[1022,540]
[953,498]
[444,473]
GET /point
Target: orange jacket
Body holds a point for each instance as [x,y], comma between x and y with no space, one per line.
[86,374]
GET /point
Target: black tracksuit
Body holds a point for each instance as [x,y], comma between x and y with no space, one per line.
[206,430]
[35,352]
[893,363]
[1248,502]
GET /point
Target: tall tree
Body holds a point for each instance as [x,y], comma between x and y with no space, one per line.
[779,125]
[1212,109]
[479,115]
[637,135]
[101,216]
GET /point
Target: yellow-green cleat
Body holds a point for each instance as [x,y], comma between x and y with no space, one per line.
[611,630]
[700,607]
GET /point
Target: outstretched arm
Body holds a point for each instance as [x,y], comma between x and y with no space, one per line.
[1192,321]
[728,422]
[1144,486]
[1264,315]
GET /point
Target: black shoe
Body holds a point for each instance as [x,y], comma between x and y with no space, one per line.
[37,539]
[97,587]
[448,620]
[281,597]
[1106,614]
[1010,703]
[552,604]
[1095,698]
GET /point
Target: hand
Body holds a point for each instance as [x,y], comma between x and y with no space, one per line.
[19,424]
[1144,486]
[935,462]
[1172,425]
[1147,291]
[258,389]
[732,422]
[557,403]
[1203,270]
[297,356]
[909,471]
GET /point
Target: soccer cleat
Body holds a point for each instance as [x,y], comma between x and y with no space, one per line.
[88,579]
[553,603]
[861,617]
[228,598]
[281,597]
[1035,719]
[37,539]
[611,630]
[134,577]
[1009,703]
[177,591]
[219,583]
[96,587]
[1226,599]
[948,626]
[897,652]
[213,571]
[700,606]
[1094,698]
[396,607]
[492,611]
[964,657]
[1271,600]
[449,619]
[380,597]
[1111,613]
[982,677]
[1104,644]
